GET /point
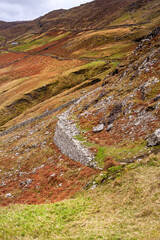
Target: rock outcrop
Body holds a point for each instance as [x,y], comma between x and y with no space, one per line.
[154,139]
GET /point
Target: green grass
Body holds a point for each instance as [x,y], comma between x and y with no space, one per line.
[100,155]
[37,43]
[119,56]
[81,74]
[93,64]
[113,52]
[124,19]
[33,44]
[89,54]
[34,221]
[120,152]
[61,36]
[114,64]
[80,138]
[124,208]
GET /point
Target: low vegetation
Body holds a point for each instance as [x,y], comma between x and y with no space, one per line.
[124,208]
[108,58]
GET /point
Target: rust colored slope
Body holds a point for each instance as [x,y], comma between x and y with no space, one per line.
[34,171]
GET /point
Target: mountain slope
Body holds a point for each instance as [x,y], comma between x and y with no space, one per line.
[95,14]
[124,208]
[107,76]
[126,103]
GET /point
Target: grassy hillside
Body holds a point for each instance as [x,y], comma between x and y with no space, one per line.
[107,58]
[124,208]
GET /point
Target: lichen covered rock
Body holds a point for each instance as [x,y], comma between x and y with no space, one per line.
[154,139]
[98,128]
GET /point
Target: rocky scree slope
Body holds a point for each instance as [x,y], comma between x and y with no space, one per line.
[126,111]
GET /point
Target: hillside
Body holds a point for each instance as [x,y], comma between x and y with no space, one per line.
[97,14]
[79,120]
[124,208]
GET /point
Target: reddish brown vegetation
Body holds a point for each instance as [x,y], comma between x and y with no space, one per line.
[56,48]
[51,183]
[33,65]
[10,57]
[110,162]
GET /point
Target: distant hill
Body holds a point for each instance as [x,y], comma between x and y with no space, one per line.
[96,14]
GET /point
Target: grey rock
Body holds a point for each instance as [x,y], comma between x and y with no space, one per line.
[8,195]
[3,184]
[154,139]
[110,126]
[53,175]
[98,128]
[65,139]
[137,123]
[26,182]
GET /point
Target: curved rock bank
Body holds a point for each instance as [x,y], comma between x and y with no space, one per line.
[65,138]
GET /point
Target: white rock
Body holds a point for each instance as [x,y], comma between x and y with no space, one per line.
[8,195]
[110,126]
[98,128]
[154,139]
[53,175]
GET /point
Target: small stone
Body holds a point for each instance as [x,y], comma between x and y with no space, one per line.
[98,128]
[137,123]
[8,195]
[34,170]
[154,139]
[3,184]
[110,126]
[60,185]
[26,182]
[53,175]
[93,186]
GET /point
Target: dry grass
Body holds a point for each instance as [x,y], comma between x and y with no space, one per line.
[124,208]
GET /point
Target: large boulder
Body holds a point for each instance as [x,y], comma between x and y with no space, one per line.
[154,138]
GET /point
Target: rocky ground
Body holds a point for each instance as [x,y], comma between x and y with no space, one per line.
[107,126]
[124,111]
